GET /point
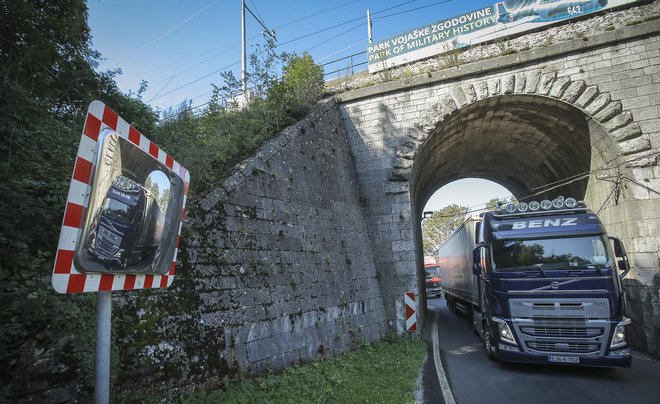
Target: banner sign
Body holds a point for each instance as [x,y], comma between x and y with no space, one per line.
[499,20]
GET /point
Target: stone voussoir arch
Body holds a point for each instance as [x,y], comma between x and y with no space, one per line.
[617,122]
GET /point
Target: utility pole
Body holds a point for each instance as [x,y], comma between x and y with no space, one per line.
[243,53]
[369,25]
[271,33]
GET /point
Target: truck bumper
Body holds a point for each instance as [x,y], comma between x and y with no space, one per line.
[623,361]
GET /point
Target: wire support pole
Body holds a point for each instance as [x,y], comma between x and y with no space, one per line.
[243,52]
[270,33]
[369,25]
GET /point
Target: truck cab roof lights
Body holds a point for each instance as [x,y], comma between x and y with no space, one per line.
[125,184]
[559,203]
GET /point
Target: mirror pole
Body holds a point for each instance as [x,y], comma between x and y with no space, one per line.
[103,327]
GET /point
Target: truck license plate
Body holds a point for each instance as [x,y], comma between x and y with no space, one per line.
[563,359]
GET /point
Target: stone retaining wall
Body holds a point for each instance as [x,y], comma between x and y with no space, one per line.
[276,268]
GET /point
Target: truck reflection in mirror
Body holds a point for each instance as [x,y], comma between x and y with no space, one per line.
[128,226]
[133,201]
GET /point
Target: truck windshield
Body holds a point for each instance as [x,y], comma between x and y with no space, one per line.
[552,253]
[118,209]
[432,272]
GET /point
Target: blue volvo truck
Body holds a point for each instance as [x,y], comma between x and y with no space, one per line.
[128,227]
[542,283]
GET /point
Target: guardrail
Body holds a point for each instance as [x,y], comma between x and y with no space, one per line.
[354,60]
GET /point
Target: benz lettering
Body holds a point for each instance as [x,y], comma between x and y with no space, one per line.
[538,223]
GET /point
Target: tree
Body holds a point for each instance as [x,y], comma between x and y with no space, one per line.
[492,204]
[47,79]
[440,226]
[210,144]
[303,83]
[495,202]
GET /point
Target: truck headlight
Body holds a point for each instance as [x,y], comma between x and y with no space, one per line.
[619,337]
[504,331]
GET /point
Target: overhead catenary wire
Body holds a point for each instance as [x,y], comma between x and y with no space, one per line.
[235,45]
[222,49]
[189,109]
[607,166]
[162,89]
[195,65]
[163,35]
[343,49]
[196,80]
[316,13]
[649,189]
[334,37]
[260,20]
[256,11]
[157,96]
[411,10]
[342,24]
[614,188]
[256,36]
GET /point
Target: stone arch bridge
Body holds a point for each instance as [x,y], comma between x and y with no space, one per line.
[308,248]
[578,118]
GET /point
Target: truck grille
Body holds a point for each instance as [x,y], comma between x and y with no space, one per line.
[107,243]
[562,331]
[568,347]
[553,326]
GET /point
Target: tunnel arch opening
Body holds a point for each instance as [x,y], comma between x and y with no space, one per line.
[536,147]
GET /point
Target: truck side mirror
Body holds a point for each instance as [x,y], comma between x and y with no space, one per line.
[622,258]
[476,259]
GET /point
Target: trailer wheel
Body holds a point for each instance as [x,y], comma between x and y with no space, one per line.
[488,342]
[451,302]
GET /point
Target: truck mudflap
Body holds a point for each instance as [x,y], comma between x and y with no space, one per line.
[507,353]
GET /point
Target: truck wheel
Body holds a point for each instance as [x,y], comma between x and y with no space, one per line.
[488,343]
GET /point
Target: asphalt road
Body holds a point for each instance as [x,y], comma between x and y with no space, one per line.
[472,378]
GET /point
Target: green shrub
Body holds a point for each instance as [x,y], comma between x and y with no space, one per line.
[302,83]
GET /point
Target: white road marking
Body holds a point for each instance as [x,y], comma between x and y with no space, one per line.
[442,378]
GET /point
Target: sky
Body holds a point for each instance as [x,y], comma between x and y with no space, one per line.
[179,47]
[470,192]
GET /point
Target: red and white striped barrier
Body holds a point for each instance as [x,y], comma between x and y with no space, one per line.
[411,311]
[66,279]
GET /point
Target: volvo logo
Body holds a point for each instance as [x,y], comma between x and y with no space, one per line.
[555,284]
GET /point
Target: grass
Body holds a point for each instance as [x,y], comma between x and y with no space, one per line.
[382,372]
